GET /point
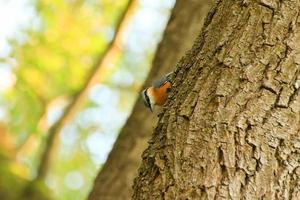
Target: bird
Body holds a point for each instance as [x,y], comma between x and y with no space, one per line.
[157,94]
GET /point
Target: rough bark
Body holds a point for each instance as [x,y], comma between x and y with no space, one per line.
[231,128]
[116,177]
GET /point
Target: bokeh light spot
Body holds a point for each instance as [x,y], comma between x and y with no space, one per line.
[74,180]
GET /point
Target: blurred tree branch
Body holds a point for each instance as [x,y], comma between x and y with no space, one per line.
[96,75]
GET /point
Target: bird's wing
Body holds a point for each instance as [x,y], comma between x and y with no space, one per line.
[162,81]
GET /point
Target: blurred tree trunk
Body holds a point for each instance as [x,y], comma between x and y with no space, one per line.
[231,129]
[116,177]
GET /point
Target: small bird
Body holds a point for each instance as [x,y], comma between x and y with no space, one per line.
[157,94]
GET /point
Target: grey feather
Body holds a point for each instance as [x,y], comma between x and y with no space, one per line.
[162,81]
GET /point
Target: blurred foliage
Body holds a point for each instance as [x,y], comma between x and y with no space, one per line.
[13,185]
[55,59]
[15,188]
[49,63]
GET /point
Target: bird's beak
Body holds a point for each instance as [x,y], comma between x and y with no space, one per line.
[151,107]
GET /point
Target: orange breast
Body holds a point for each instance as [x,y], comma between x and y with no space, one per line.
[161,93]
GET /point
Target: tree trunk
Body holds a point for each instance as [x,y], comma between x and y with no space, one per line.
[116,177]
[231,129]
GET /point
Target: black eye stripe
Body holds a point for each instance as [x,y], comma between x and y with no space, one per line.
[147,98]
